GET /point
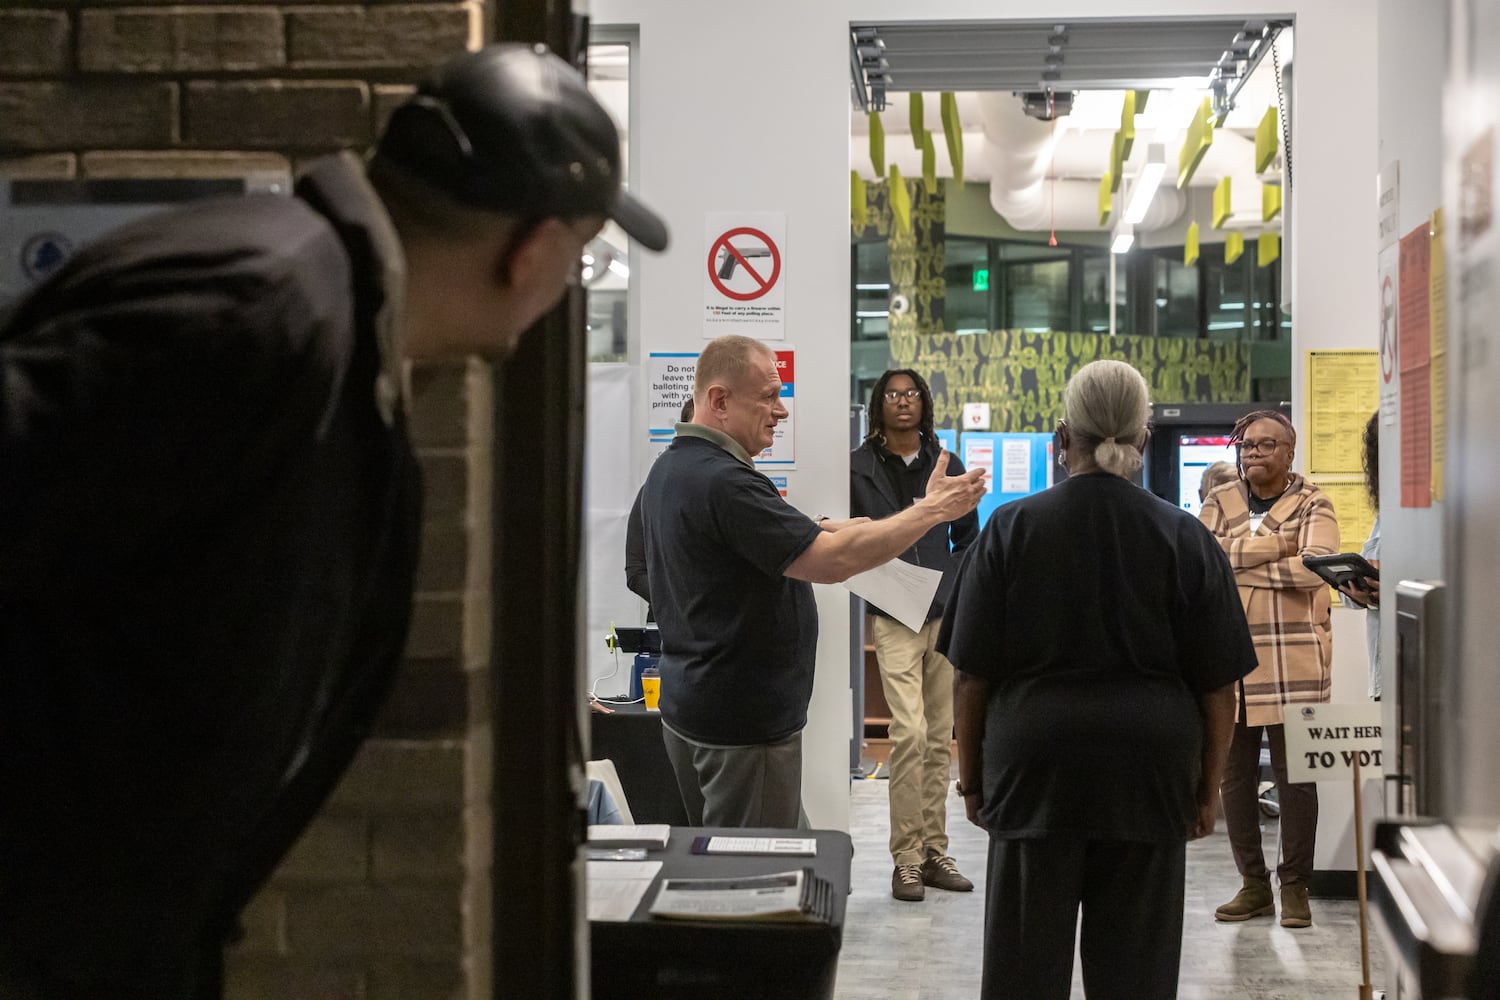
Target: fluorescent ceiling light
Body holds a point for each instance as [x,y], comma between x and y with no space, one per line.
[1144,188]
[874,287]
[1124,238]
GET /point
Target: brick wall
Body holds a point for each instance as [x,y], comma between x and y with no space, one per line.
[383,897]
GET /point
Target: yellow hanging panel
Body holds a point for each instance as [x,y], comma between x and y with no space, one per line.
[900,200]
[1221,203]
[1234,245]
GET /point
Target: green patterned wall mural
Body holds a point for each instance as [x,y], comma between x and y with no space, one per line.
[1022,375]
[916,257]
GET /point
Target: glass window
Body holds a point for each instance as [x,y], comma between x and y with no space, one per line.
[872,290]
[609,284]
[1035,286]
[1174,306]
[1095,291]
[1267,321]
[1226,293]
[966,271]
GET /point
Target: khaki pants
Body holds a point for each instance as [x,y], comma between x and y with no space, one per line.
[918,683]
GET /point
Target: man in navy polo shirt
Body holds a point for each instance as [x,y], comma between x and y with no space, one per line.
[730,564]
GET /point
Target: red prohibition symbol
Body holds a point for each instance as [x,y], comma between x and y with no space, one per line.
[1387,330]
[719,272]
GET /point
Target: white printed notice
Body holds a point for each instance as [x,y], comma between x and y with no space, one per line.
[670,385]
[744,283]
[782,454]
[1015,466]
[901,590]
[980,454]
[1323,742]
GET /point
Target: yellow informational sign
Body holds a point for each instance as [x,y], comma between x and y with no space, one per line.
[1351,505]
[1438,311]
[1343,389]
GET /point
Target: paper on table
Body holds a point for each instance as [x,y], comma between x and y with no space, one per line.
[900,589]
[616,888]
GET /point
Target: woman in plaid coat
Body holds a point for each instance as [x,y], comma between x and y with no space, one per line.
[1266,522]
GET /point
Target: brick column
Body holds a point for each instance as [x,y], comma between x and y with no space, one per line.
[383,896]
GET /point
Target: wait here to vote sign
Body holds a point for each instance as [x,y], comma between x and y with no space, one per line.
[1324,741]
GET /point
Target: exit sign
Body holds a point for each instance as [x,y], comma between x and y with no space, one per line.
[981,279]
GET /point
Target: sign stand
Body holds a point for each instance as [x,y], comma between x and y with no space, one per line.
[1321,742]
[1365,992]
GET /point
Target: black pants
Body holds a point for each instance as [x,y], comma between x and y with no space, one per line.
[1240,792]
[1130,937]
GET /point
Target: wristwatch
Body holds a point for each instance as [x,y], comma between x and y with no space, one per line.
[963,793]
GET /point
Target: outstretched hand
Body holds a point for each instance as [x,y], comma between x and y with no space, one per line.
[953,496]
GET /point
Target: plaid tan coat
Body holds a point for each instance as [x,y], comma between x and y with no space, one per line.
[1286,604]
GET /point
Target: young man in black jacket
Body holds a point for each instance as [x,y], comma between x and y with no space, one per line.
[887,474]
[210,510]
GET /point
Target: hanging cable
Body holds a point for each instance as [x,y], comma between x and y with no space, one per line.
[1286,126]
[1052,174]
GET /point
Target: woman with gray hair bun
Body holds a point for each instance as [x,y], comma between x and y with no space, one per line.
[1097,637]
[1106,406]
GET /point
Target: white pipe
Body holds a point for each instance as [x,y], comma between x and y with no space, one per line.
[1018,151]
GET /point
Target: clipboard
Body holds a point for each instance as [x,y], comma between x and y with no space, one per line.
[1346,567]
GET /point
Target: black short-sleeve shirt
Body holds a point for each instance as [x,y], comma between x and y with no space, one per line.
[739,639]
[1098,613]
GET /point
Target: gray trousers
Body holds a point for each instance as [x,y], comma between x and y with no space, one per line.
[748,786]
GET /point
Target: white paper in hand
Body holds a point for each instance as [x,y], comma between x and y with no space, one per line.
[900,589]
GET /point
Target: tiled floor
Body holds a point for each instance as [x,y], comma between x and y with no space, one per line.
[932,950]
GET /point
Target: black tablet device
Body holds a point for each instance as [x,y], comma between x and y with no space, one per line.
[1346,567]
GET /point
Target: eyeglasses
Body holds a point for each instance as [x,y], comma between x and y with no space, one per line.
[1261,445]
[891,395]
[598,260]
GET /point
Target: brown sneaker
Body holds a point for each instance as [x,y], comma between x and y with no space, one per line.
[1253,900]
[941,872]
[1295,911]
[906,883]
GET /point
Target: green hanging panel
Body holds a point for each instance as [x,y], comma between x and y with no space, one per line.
[929,164]
[859,205]
[953,133]
[1267,141]
[900,200]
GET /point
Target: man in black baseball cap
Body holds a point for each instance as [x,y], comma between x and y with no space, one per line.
[496,173]
[514,129]
[210,511]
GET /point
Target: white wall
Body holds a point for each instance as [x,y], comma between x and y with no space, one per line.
[1412,50]
[747,107]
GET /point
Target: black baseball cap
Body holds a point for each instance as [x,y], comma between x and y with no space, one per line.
[512,128]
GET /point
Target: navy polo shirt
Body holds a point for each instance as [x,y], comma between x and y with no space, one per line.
[739,638]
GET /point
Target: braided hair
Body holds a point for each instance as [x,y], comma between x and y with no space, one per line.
[1243,424]
[877,411]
